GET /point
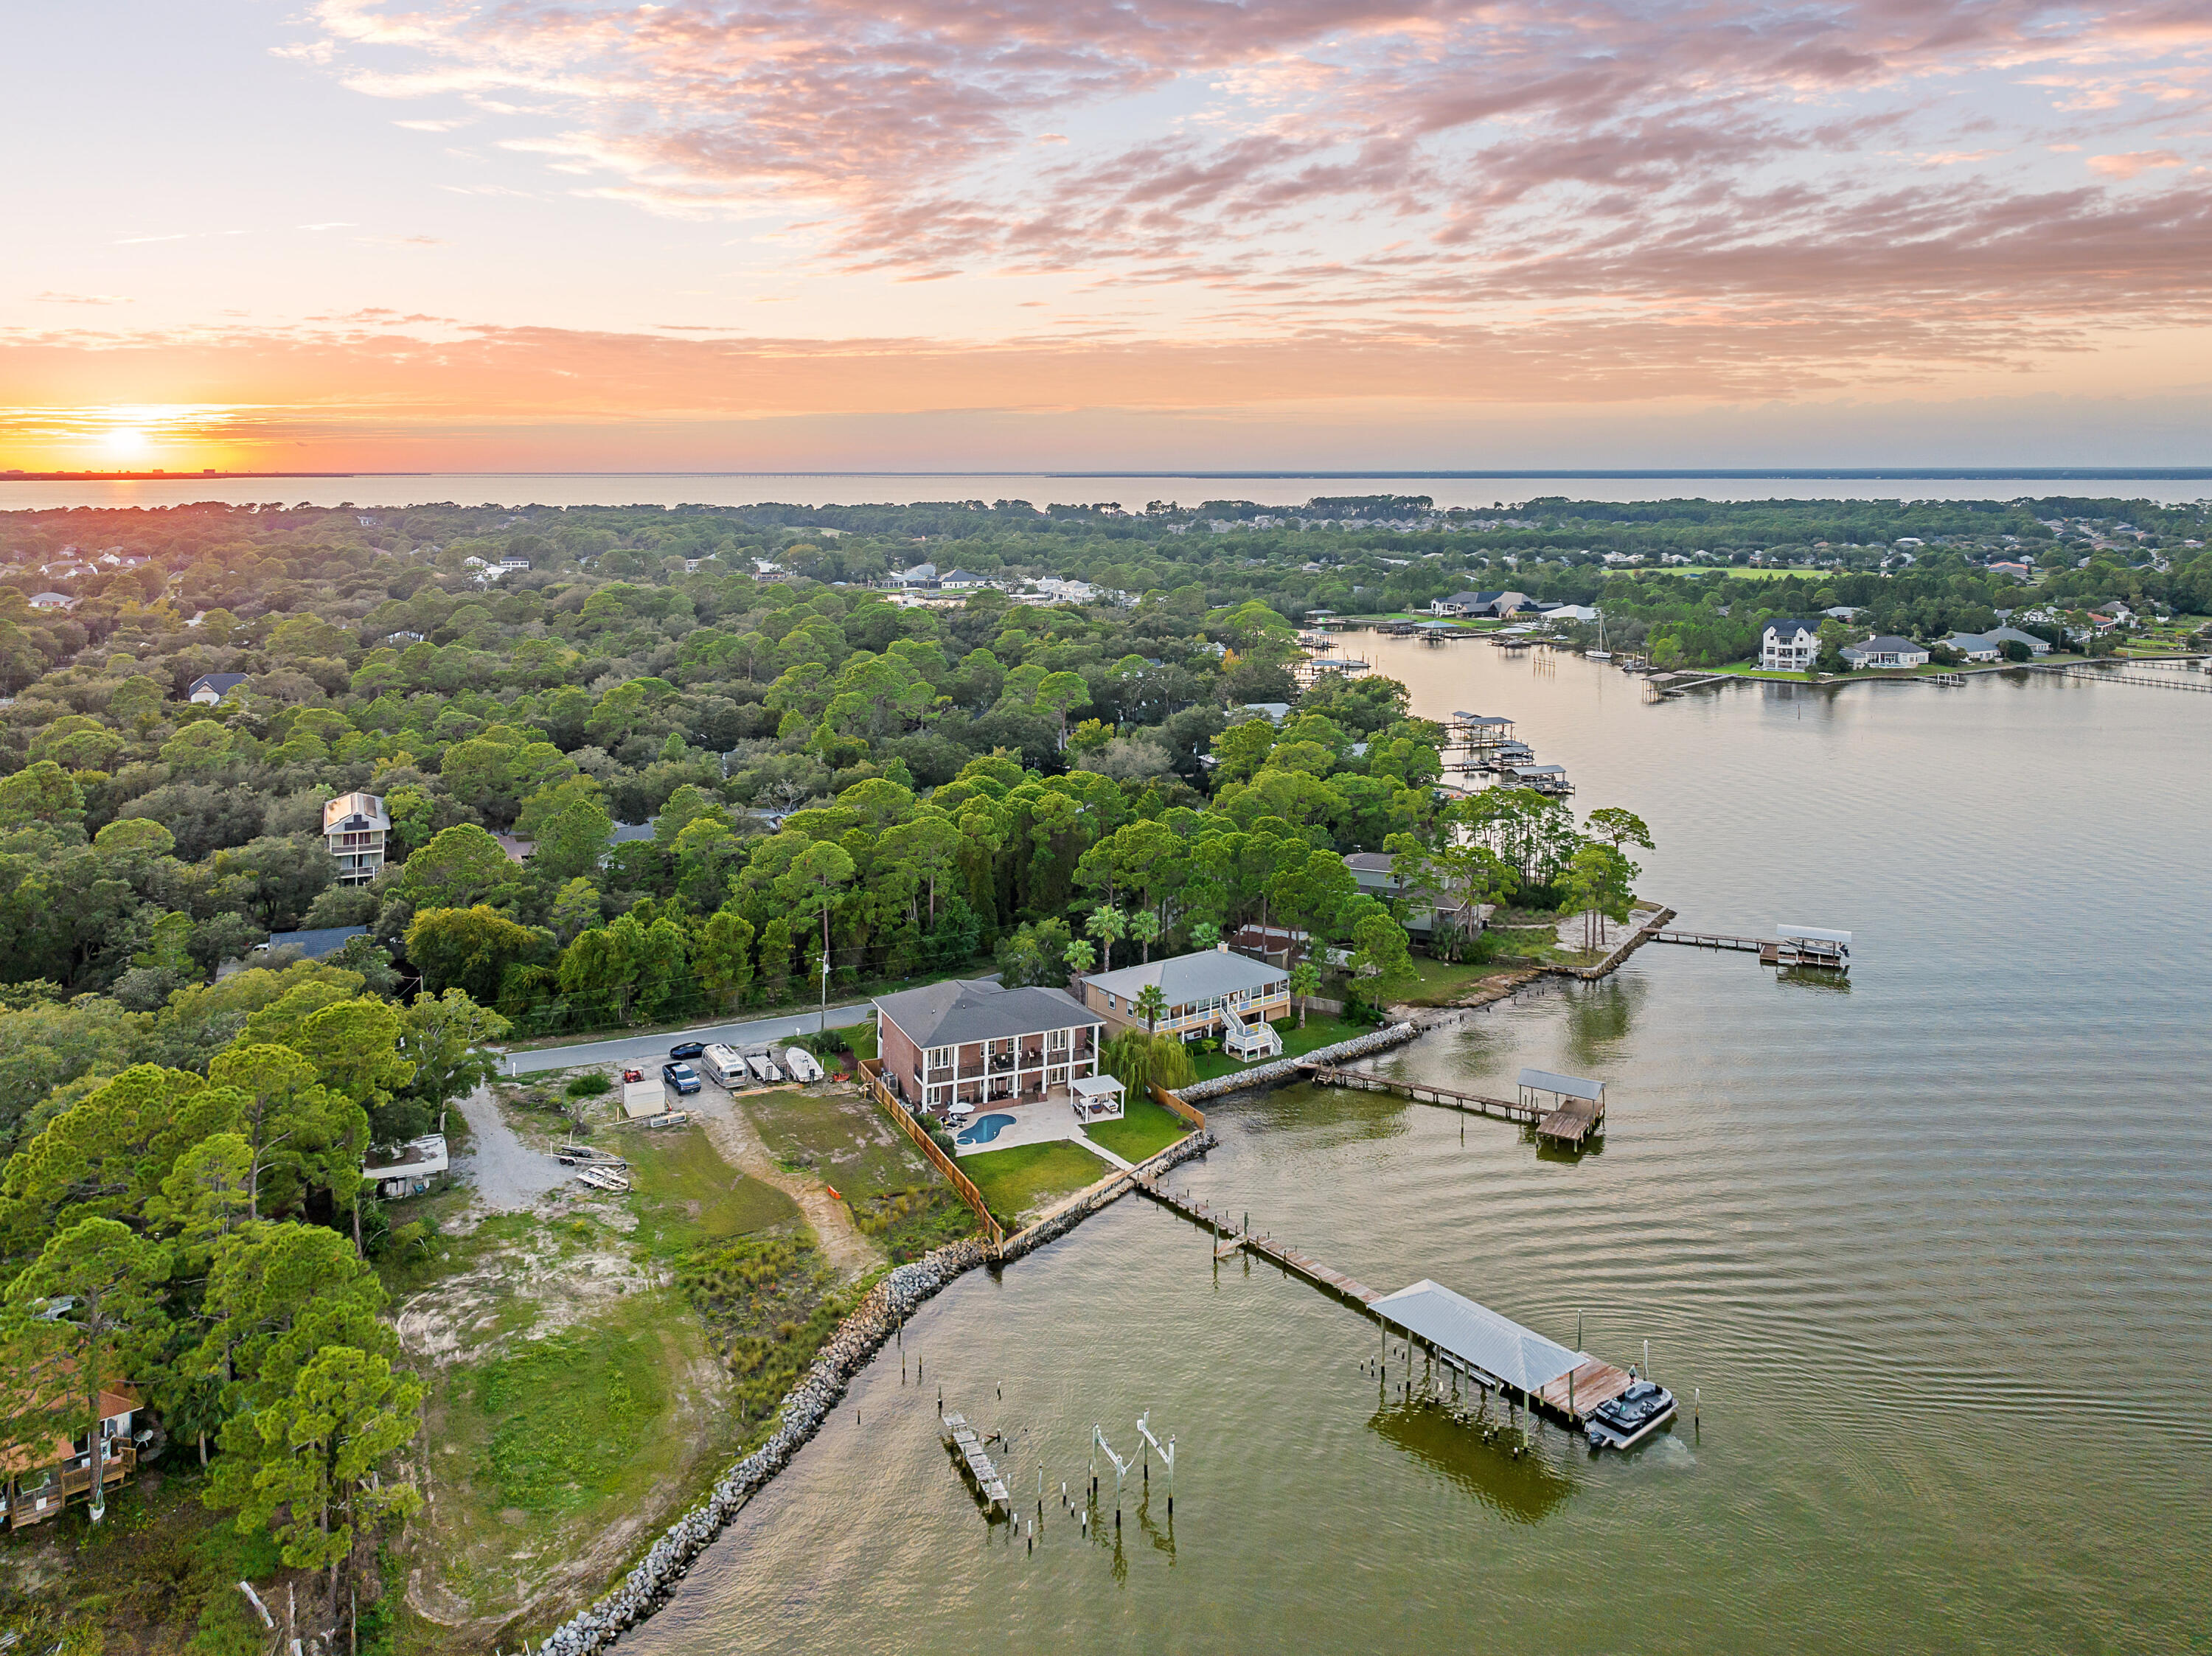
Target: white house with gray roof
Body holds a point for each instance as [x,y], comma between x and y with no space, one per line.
[1788,644]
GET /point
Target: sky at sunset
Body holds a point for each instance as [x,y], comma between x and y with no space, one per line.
[813,234]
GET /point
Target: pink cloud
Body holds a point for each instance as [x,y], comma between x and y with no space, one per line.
[2134,163]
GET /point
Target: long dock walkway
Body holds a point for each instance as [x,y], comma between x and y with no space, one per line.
[2099,675]
[1233,1236]
[1714,940]
[1570,1122]
[1570,1397]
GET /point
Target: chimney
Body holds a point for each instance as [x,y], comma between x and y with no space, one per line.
[1223,947]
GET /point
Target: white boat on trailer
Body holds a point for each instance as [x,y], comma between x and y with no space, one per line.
[802,1064]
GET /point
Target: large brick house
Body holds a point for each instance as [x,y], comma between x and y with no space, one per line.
[977,1043]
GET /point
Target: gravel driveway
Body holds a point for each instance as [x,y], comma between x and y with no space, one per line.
[508,1175]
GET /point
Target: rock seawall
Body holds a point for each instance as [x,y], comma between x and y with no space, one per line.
[862,1334]
[1287,1068]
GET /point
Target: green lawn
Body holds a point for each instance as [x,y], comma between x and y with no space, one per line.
[1031,1176]
[848,1143]
[685,1196]
[863,1038]
[1144,1130]
[1320,1030]
[1444,981]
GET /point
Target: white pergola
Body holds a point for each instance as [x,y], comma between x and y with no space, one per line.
[1098,1098]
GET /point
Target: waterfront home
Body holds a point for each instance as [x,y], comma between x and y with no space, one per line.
[1789,645]
[210,688]
[1212,992]
[1886,651]
[355,826]
[1372,869]
[1496,604]
[976,1043]
[1974,646]
[41,1473]
[2001,636]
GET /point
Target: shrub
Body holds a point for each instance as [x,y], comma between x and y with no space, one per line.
[590,1085]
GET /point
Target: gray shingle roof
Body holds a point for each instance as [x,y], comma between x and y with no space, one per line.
[1184,978]
[952,1014]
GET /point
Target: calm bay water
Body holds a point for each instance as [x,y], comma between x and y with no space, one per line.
[1043,488]
[1935,1248]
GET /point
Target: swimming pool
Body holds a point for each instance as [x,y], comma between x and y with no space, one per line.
[984,1129]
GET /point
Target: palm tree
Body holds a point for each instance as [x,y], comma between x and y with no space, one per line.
[1145,926]
[1078,956]
[1305,978]
[1206,934]
[1109,926]
[1151,1005]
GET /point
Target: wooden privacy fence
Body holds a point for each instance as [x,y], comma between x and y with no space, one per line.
[871,1070]
[1174,1106]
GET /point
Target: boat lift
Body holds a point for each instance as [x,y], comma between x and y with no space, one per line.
[1166,1455]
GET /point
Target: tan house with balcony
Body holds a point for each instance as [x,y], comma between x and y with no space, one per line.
[41,1472]
[355,825]
[980,1043]
[1214,991]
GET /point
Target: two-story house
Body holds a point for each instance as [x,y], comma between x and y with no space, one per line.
[355,825]
[1212,992]
[1787,644]
[974,1043]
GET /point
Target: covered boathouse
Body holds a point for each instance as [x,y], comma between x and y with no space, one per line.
[1497,1351]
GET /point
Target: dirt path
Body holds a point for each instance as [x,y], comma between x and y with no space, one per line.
[736,1142]
[509,1176]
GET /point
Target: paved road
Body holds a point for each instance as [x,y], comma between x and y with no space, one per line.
[509,1176]
[632,1049]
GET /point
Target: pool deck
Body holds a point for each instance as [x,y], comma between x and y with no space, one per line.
[1041,1123]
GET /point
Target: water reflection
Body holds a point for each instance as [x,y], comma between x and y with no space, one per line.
[1527,1489]
[1601,1014]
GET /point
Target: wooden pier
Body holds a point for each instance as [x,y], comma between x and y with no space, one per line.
[1233,1236]
[1569,1397]
[1715,940]
[960,1438]
[2101,675]
[1572,1121]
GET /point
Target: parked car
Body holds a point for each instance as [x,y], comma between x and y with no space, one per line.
[686,1049]
[682,1077]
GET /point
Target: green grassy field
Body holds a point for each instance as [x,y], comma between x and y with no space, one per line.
[685,1196]
[1444,981]
[895,1195]
[1320,1030]
[1144,1130]
[1031,1176]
